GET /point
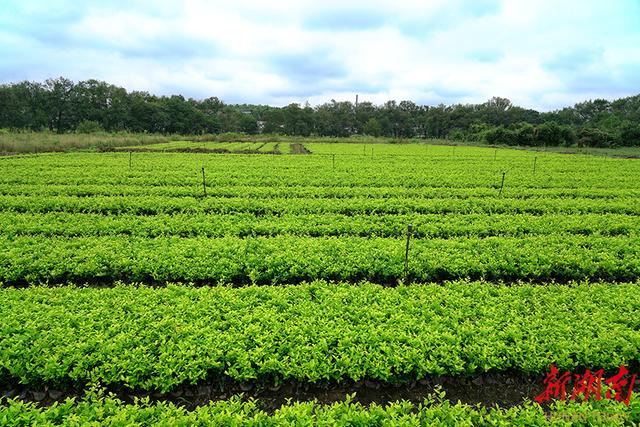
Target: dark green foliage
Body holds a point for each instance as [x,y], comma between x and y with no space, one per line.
[525,134]
[501,135]
[594,137]
[630,133]
[551,133]
[372,127]
[61,105]
[89,126]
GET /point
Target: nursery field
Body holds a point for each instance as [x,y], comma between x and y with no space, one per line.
[336,214]
[189,271]
[214,147]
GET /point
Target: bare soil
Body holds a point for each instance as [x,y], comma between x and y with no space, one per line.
[297,148]
[195,150]
[490,389]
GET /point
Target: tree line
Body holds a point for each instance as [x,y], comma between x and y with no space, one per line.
[61,105]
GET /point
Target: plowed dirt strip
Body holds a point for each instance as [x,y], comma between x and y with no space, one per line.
[489,389]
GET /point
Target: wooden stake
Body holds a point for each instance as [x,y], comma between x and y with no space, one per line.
[406,254]
[204,184]
[501,184]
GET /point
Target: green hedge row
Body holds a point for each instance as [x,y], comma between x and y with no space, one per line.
[292,259]
[100,410]
[162,338]
[316,225]
[153,205]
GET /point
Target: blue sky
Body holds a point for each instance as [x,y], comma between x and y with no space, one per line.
[541,54]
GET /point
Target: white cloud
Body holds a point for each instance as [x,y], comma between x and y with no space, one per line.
[541,54]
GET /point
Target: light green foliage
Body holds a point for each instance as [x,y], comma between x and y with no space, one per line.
[283,259]
[97,409]
[284,219]
[160,338]
[290,220]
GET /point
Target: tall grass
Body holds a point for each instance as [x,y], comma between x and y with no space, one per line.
[38,142]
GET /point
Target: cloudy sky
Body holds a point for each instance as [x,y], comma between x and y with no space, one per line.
[542,54]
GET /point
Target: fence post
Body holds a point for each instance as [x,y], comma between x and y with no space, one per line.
[204,183]
[501,184]
[406,254]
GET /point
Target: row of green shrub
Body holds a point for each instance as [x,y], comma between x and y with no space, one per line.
[552,134]
[98,409]
[293,259]
[160,339]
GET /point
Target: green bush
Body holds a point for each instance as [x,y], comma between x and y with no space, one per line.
[89,126]
[630,134]
[525,133]
[501,135]
[592,137]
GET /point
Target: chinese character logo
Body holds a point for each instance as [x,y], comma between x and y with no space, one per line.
[620,385]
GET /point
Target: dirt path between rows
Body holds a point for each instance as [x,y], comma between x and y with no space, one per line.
[503,389]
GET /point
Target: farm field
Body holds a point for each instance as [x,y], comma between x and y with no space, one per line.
[124,269]
[334,215]
[214,147]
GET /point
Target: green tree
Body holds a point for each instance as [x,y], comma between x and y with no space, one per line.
[372,127]
[59,102]
[630,133]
